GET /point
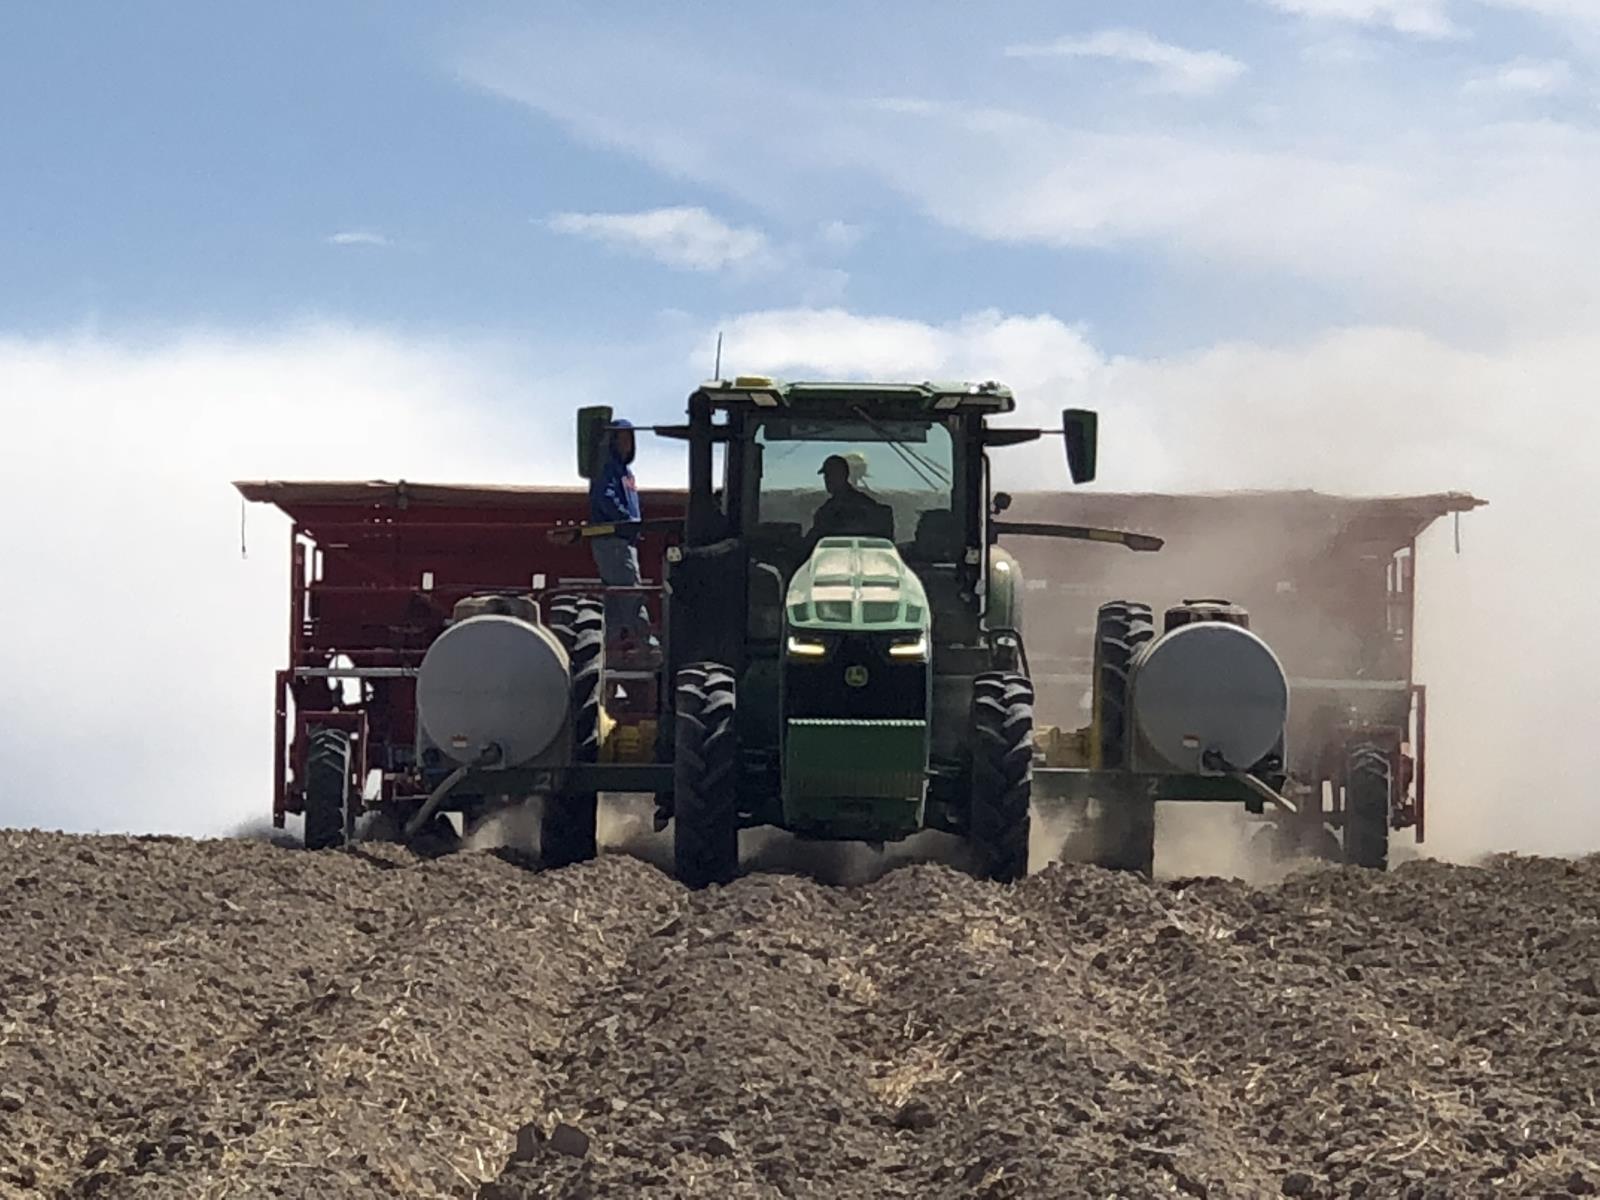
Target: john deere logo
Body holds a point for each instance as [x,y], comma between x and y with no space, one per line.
[855,676]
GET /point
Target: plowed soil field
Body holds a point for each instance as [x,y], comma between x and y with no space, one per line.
[232,1018]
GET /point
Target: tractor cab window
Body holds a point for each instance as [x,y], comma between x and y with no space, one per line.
[815,476]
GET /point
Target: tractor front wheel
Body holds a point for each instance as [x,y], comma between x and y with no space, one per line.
[705,844]
[1126,831]
[1002,774]
[567,823]
[327,788]
[1368,789]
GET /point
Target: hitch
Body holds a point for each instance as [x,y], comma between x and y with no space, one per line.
[490,756]
[1212,761]
[1144,542]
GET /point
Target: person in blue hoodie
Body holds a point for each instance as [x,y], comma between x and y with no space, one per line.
[614,499]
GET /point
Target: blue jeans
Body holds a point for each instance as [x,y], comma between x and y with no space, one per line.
[618,561]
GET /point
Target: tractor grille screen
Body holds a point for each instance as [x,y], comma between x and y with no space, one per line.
[858,679]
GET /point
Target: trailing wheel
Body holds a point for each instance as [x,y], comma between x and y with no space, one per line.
[1126,834]
[567,823]
[1369,790]
[1002,773]
[327,788]
[705,847]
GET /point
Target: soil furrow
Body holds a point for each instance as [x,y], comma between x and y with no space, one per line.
[206,1019]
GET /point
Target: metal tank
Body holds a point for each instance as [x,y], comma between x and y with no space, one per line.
[494,686]
[1208,694]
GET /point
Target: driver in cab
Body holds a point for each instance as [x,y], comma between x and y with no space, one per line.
[847,511]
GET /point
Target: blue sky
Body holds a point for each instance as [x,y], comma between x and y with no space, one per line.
[191,162]
[1348,244]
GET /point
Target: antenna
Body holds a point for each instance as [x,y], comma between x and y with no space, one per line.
[716,371]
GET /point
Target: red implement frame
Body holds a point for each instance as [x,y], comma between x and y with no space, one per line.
[375,570]
[1421,804]
[1329,582]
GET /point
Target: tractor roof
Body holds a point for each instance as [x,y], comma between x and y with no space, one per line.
[764,392]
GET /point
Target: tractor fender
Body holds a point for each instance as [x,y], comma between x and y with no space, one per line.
[1004,590]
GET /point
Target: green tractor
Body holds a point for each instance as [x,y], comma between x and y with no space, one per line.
[843,633]
[844,656]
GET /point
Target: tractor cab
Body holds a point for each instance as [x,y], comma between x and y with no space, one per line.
[775,468]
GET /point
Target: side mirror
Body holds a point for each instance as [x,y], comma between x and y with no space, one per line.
[1001,502]
[592,423]
[1080,428]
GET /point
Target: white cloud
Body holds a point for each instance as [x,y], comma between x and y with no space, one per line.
[357,237]
[1526,77]
[1413,412]
[687,238]
[1433,18]
[1187,72]
[138,648]
[1384,197]
[1461,230]
[840,236]
[1342,51]
[1579,13]
[1424,18]
[841,344]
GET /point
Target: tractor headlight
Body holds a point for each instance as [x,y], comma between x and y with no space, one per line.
[909,649]
[809,649]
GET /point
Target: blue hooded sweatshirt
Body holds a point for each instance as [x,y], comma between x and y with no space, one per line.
[613,495]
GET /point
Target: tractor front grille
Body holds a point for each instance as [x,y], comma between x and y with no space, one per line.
[857,681]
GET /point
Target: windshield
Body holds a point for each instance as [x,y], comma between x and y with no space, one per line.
[896,478]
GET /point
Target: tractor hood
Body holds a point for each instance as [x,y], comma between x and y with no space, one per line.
[856,584]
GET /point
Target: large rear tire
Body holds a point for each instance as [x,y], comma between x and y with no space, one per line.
[327,788]
[1369,789]
[567,823]
[705,844]
[1002,774]
[1126,834]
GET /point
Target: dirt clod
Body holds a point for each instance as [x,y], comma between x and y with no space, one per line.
[915,1114]
[1297,1183]
[529,1139]
[569,1140]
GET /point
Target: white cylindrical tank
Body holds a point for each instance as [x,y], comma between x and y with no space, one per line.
[1206,691]
[494,681]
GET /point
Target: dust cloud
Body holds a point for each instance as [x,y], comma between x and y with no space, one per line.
[515,827]
[1192,840]
[261,829]
[1504,640]
[625,824]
